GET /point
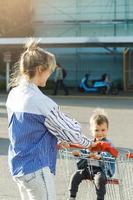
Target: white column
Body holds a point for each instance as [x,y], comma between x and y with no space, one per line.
[7,75]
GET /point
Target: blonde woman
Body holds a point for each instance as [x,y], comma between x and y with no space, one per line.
[35,125]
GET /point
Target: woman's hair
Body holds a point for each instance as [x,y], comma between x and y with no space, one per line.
[99,117]
[32,57]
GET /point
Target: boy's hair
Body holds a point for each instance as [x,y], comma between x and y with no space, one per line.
[99,117]
[32,57]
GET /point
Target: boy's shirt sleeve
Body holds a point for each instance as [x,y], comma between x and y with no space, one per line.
[65,128]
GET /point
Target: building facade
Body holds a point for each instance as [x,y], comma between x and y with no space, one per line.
[86,18]
[76,18]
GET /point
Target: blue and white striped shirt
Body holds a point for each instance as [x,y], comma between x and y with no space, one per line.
[35,124]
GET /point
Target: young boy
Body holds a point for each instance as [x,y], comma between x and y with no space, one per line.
[104,166]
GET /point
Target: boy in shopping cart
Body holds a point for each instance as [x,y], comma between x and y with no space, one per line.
[95,166]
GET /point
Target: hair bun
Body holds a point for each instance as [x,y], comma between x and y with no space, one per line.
[32,45]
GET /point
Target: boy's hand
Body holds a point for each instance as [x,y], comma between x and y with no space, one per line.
[97,157]
[98,146]
[92,146]
[76,153]
[91,155]
[94,156]
[103,146]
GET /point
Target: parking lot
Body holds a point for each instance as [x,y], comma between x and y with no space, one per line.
[120,113]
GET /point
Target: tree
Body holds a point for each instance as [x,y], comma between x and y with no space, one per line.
[16,18]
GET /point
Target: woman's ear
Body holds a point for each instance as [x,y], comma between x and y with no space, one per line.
[40,69]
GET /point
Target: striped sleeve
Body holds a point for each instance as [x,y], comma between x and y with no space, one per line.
[65,128]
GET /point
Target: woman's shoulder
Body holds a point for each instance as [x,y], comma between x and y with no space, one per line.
[44,104]
[30,100]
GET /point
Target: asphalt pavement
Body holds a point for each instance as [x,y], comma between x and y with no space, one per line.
[80,107]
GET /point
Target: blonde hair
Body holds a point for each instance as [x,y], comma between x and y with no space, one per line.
[99,117]
[31,58]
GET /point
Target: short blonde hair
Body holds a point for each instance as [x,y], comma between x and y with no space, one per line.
[32,57]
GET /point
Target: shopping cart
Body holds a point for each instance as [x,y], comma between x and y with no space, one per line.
[119,187]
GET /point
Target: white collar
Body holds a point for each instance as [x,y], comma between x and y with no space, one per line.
[25,83]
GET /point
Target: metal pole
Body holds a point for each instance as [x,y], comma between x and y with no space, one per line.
[126,14]
[125,68]
[78,33]
[7,75]
[115,17]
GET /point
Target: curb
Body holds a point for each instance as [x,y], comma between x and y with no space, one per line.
[90,97]
[3,103]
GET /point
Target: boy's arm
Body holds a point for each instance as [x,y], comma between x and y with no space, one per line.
[105,146]
[81,152]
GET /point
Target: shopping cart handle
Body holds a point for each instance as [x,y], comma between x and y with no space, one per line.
[77,146]
[129,155]
[105,146]
[100,146]
[71,145]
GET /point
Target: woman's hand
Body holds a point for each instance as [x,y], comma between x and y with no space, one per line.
[93,144]
[64,144]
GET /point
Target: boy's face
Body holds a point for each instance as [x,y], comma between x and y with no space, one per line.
[100,131]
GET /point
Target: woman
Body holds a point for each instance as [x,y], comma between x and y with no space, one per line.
[35,125]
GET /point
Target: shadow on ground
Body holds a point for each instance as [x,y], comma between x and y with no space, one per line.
[4,144]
